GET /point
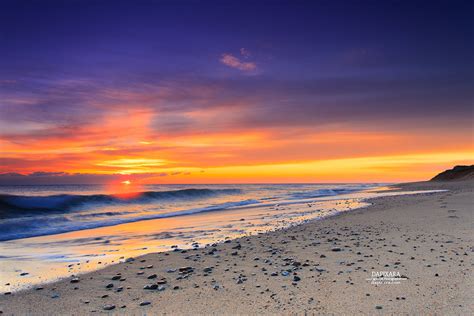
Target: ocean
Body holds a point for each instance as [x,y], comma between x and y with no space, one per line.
[50,232]
[30,211]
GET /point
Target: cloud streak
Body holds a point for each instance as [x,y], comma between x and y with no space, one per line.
[155,126]
[234,62]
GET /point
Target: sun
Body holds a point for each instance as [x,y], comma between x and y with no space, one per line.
[124,188]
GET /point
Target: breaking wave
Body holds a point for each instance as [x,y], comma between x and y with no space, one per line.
[25,227]
[23,215]
[65,202]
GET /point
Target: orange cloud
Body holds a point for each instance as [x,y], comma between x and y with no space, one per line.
[207,144]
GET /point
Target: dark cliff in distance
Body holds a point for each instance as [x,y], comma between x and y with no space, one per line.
[458,173]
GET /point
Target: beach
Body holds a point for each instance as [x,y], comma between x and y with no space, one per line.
[421,243]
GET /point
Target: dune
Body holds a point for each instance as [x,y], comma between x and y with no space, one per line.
[458,173]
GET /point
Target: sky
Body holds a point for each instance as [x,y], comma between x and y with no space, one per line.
[234,91]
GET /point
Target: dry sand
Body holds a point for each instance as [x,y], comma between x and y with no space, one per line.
[427,238]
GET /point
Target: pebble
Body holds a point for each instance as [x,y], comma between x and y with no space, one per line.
[161,288]
[161,281]
[186,269]
[150,287]
[108,307]
[145,303]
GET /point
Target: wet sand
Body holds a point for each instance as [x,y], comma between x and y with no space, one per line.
[321,267]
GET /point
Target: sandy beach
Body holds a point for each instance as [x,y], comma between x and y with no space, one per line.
[321,267]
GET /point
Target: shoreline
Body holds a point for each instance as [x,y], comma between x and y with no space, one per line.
[77,269]
[230,277]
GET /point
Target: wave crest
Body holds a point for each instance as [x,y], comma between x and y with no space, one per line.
[65,202]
